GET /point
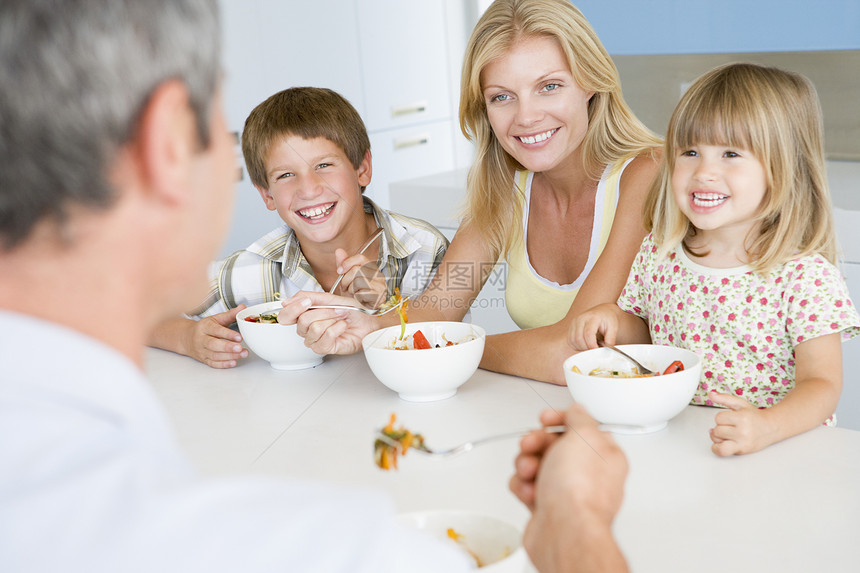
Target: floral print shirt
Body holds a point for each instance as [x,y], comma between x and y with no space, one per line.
[743,324]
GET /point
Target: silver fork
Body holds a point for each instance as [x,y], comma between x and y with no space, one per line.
[467,446]
[376,312]
[367,244]
[642,369]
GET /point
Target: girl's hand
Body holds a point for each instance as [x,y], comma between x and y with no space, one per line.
[361,281]
[742,429]
[598,323]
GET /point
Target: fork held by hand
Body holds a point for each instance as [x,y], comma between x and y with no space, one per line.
[366,245]
[466,446]
[642,370]
[376,312]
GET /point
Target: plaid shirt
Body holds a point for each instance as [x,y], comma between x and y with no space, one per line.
[411,251]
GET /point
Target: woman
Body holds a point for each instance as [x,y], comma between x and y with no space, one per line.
[557,190]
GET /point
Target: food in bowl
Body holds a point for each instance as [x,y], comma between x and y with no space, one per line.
[417,341]
[634,405]
[493,544]
[394,300]
[604,372]
[266,318]
[433,373]
[278,344]
[385,453]
[460,540]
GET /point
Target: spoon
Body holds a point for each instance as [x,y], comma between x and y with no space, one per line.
[642,370]
[369,242]
[466,446]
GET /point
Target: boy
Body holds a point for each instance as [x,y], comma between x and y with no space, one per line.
[308,154]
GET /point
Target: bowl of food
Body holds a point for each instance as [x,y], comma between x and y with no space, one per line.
[276,343]
[492,544]
[608,385]
[425,361]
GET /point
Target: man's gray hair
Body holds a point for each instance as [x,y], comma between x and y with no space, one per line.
[74,78]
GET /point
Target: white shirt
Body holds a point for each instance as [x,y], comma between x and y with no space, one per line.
[92,480]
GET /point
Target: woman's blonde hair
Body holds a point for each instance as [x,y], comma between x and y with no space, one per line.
[776,115]
[614,133]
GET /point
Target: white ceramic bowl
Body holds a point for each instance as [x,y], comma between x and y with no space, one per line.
[276,343]
[497,543]
[429,374]
[633,405]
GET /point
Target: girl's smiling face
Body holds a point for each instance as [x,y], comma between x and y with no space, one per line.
[719,188]
[314,187]
[536,109]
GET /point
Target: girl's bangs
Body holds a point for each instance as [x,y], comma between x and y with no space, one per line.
[719,116]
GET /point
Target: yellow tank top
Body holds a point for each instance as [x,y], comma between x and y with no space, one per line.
[532,300]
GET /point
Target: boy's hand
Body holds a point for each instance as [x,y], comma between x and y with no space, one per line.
[213,343]
[361,281]
[598,323]
[742,429]
[328,331]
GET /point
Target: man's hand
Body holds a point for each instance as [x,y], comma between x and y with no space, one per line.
[574,485]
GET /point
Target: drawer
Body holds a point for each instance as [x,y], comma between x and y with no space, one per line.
[407,153]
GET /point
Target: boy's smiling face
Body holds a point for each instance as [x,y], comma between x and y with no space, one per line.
[314,187]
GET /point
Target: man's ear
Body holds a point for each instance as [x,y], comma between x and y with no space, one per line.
[267,198]
[168,141]
[365,170]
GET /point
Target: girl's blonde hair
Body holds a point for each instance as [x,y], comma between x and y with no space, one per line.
[776,115]
[494,206]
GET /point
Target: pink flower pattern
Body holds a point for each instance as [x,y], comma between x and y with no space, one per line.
[754,321]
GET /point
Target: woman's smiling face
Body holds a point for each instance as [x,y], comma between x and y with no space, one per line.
[537,111]
[314,187]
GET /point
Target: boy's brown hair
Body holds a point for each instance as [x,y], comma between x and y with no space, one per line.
[306,112]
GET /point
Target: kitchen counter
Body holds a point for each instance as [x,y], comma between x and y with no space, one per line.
[792,507]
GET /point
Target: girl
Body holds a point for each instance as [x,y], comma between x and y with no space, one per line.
[740,262]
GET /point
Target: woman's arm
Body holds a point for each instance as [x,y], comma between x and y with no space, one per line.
[458,280]
[538,353]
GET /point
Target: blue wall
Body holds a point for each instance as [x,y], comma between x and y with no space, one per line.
[692,26]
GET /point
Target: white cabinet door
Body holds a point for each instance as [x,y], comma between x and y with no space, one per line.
[404,54]
[407,153]
[306,43]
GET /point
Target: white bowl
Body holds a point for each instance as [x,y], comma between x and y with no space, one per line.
[276,343]
[497,543]
[429,374]
[633,405]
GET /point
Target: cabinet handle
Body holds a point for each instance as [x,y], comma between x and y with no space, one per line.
[416,107]
[422,139]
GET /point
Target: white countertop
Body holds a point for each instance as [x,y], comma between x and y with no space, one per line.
[439,198]
[792,507]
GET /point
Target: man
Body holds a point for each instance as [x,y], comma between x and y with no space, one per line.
[115,189]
